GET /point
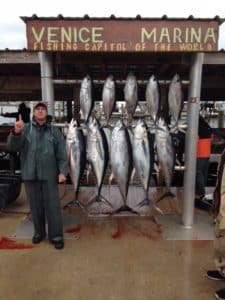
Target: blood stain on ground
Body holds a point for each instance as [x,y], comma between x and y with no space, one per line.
[200,243]
[120,230]
[7,243]
[73,230]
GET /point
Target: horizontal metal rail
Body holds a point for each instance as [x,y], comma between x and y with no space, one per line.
[96,81]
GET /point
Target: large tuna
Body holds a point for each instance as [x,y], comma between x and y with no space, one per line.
[152,97]
[175,101]
[165,154]
[86,102]
[121,159]
[108,97]
[131,95]
[97,155]
[76,152]
[143,157]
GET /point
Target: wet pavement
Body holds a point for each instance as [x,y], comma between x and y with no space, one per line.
[110,257]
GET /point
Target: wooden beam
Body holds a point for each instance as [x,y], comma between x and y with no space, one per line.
[214,58]
[20,83]
[121,58]
[18,57]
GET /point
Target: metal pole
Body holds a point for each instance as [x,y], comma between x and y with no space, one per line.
[191,139]
[46,80]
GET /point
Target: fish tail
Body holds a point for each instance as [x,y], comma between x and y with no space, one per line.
[99,198]
[165,195]
[74,203]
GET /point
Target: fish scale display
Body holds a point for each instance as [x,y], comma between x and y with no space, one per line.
[123,145]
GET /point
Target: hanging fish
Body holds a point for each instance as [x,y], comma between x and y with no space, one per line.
[121,160]
[97,155]
[86,102]
[108,97]
[166,154]
[175,101]
[131,95]
[143,156]
[152,97]
[76,152]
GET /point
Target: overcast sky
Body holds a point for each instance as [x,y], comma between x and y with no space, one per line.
[13,31]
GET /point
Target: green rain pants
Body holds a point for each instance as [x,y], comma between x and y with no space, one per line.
[44,204]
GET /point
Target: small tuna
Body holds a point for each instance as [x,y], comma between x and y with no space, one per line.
[108,97]
[86,102]
[152,97]
[97,155]
[166,154]
[143,157]
[175,101]
[121,160]
[131,95]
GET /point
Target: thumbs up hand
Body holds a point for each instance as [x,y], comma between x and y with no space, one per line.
[19,125]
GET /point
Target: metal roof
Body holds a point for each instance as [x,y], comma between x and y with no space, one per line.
[113,17]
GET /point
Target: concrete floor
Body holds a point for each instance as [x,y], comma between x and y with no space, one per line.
[111,258]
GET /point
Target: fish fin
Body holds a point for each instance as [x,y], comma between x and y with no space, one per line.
[157,209]
[156,167]
[132,175]
[181,129]
[87,174]
[111,178]
[110,182]
[174,128]
[88,171]
[81,114]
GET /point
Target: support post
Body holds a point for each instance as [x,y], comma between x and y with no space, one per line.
[47,86]
[191,139]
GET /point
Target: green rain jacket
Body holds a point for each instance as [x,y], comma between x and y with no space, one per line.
[42,151]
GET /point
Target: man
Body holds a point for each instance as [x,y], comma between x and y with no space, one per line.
[43,165]
[202,166]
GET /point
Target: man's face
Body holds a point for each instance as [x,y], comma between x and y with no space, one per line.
[40,114]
